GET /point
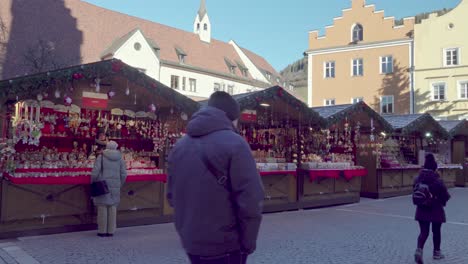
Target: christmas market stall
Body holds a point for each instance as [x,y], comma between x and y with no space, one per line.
[458,130]
[402,154]
[342,158]
[57,123]
[271,122]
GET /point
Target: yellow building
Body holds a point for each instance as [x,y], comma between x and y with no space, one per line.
[362,56]
[441,64]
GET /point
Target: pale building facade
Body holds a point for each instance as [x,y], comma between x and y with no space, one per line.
[363,56]
[441,64]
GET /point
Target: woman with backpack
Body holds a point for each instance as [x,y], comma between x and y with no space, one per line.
[431,210]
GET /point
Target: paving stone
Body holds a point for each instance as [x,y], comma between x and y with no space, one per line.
[373,231]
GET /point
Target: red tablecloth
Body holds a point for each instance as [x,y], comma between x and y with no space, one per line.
[347,174]
[85,179]
[268,173]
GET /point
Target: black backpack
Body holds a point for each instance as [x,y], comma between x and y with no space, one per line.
[422,195]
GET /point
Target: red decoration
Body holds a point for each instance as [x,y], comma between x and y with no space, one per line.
[78,76]
[117,66]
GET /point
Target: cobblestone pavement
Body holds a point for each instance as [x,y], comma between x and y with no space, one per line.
[373,231]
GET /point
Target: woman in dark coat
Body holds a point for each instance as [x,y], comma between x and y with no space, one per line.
[435,214]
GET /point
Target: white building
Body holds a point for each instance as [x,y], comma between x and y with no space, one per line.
[193,63]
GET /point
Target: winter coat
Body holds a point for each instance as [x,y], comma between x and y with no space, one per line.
[114,173]
[436,212]
[207,220]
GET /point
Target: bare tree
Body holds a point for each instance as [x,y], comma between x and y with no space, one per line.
[42,56]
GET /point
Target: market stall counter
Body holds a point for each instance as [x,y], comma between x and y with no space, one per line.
[327,184]
[57,128]
[271,123]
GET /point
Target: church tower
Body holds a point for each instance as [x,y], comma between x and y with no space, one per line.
[202,25]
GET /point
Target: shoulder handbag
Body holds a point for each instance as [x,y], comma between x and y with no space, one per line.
[222,179]
[99,188]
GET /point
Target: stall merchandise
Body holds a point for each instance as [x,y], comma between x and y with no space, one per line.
[341,156]
[458,130]
[60,121]
[271,121]
[402,154]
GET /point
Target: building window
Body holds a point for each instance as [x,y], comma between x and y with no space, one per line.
[329,69]
[452,57]
[193,85]
[137,46]
[357,100]
[329,102]
[244,72]
[358,33]
[386,64]
[387,104]
[438,91]
[198,26]
[181,58]
[230,89]
[291,87]
[463,90]
[183,83]
[232,69]
[217,87]
[358,67]
[268,75]
[205,26]
[174,82]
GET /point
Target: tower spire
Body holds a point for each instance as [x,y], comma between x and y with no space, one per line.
[202,10]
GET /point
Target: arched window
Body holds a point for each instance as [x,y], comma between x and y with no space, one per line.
[205,26]
[358,33]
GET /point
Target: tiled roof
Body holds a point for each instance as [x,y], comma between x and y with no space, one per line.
[327,111]
[84,30]
[455,127]
[401,121]
[449,125]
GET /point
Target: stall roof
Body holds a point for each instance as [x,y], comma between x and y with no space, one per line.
[23,87]
[253,99]
[337,113]
[416,124]
[455,127]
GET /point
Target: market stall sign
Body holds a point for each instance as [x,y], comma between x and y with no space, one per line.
[249,116]
[95,100]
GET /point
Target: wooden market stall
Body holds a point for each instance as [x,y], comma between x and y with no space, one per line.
[55,121]
[343,158]
[271,121]
[458,130]
[402,154]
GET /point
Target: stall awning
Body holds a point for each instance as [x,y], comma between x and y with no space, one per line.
[151,90]
[455,127]
[280,101]
[416,124]
[353,112]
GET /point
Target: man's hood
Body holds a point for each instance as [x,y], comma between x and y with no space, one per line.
[112,154]
[208,120]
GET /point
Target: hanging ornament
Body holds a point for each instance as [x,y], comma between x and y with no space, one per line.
[45,95]
[71,88]
[152,108]
[67,100]
[184,116]
[134,101]
[172,111]
[40,97]
[127,90]
[111,94]
[57,93]
[77,76]
[97,82]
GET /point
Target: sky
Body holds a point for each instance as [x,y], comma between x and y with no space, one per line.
[276,30]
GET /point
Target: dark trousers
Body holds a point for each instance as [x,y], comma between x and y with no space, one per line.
[231,258]
[424,234]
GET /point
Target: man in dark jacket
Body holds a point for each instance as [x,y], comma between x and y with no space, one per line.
[435,213]
[217,223]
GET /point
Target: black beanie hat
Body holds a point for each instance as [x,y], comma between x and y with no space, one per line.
[430,163]
[225,102]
